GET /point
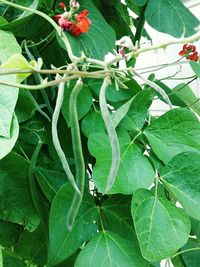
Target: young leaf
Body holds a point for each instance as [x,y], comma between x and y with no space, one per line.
[64,243]
[181,176]
[176,131]
[161,228]
[134,172]
[109,249]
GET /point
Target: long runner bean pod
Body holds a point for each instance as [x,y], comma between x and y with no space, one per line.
[78,155]
[111,133]
[55,138]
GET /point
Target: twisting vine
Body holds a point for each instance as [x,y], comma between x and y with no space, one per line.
[55,138]
[114,142]
[78,154]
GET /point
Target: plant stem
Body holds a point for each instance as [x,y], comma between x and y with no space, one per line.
[157,88]
[111,133]
[78,155]
[184,251]
[56,141]
[140,26]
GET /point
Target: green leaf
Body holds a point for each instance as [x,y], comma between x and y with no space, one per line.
[195,67]
[140,2]
[50,181]
[112,95]
[9,233]
[84,102]
[25,108]
[191,258]
[110,250]
[8,95]
[136,116]
[176,131]
[32,247]
[93,123]
[185,93]
[10,260]
[7,144]
[62,242]
[180,21]
[15,199]
[100,38]
[181,176]
[134,172]
[161,227]
[116,216]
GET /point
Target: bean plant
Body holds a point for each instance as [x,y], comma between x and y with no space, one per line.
[89,176]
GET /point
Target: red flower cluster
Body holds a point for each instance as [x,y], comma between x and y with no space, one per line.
[80,23]
[189,51]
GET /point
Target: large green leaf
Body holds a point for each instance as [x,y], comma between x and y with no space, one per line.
[7,144]
[84,102]
[50,181]
[134,172]
[116,216]
[181,176]
[93,123]
[99,40]
[9,233]
[191,258]
[15,199]
[135,117]
[8,95]
[174,132]
[161,227]
[10,260]
[185,93]
[180,21]
[110,250]
[64,243]
[32,247]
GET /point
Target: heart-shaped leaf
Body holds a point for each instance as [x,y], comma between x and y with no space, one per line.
[161,227]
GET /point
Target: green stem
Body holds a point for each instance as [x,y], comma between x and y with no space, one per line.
[51,21]
[101,219]
[140,26]
[78,155]
[111,133]
[56,141]
[184,251]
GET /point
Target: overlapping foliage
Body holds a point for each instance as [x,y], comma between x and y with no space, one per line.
[137,177]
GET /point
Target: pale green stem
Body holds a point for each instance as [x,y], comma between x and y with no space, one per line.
[157,88]
[111,133]
[55,138]
[184,251]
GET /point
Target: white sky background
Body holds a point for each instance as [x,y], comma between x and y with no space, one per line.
[170,54]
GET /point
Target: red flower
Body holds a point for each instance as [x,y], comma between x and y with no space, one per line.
[189,51]
[65,24]
[62,5]
[83,22]
[76,31]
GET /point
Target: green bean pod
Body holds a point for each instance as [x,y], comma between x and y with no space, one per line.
[111,133]
[78,155]
[55,138]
